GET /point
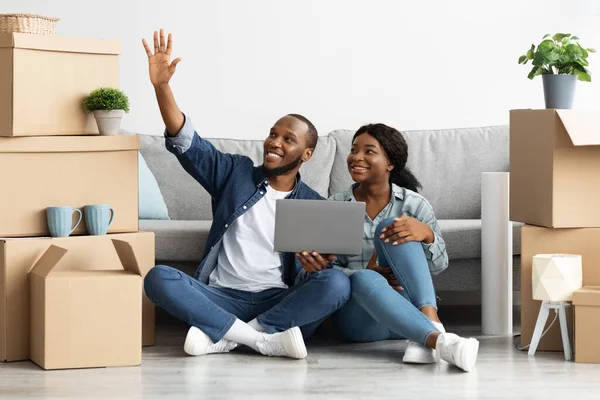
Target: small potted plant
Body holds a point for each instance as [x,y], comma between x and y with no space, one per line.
[109,106]
[561,61]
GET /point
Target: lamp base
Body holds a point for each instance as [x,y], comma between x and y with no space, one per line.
[559,307]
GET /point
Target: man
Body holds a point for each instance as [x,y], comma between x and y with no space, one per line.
[243,291]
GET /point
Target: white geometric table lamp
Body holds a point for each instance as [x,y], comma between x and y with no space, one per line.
[554,278]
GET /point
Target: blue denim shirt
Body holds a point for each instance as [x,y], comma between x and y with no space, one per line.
[234,184]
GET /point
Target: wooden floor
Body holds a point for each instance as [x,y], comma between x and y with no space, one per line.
[331,370]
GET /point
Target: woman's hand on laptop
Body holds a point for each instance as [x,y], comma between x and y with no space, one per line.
[407,229]
[313,262]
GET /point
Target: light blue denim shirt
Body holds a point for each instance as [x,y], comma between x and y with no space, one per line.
[403,202]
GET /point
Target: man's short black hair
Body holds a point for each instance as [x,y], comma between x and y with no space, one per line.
[312,136]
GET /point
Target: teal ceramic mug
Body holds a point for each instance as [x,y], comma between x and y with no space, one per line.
[98,218]
[60,220]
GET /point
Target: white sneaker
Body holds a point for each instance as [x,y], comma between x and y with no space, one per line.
[416,353]
[457,350]
[282,344]
[198,343]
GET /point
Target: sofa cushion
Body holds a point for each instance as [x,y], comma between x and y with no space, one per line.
[316,173]
[186,199]
[178,240]
[182,194]
[463,238]
[340,177]
[150,199]
[448,163]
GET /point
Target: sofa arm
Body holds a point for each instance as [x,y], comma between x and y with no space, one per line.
[178,240]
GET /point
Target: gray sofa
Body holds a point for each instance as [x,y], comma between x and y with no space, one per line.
[447,162]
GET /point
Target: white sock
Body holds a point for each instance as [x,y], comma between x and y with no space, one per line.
[254,323]
[439,326]
[241,332]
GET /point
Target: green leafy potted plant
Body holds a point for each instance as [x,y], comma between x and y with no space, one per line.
[561,61]
[109,106]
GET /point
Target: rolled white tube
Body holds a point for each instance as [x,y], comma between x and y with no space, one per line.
[496,255]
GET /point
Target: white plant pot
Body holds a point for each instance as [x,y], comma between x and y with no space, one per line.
[109,122]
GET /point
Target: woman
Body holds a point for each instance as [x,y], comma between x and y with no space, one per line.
[392,292]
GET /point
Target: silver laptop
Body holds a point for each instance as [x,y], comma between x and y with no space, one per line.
[327,227]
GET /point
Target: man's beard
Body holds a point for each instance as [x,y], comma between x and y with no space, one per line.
[284,169]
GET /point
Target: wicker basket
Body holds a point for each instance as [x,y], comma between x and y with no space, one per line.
[28,23]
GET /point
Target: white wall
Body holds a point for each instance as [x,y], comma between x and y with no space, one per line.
[412,64]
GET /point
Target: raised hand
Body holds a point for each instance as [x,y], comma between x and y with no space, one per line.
[313,262]
[160,68]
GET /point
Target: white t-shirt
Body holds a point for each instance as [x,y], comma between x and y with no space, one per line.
[247,260]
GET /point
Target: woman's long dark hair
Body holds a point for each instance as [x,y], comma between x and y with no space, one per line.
[396,149]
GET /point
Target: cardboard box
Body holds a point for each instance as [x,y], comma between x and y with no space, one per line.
[82,319]
[554,167]
[587,324]
[43,80]
[538,240]
[17,258]
[39,172]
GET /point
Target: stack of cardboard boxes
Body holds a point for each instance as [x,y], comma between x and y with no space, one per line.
[555,190]
[76,301]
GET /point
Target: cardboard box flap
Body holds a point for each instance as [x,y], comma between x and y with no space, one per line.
[127,256]
[65,144]
[583,126]
[60,43]
[48,261]
[587,296]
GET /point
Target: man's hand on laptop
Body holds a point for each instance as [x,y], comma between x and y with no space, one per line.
[313,262]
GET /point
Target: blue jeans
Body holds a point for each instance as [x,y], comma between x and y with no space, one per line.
[375,310]
[214,310]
